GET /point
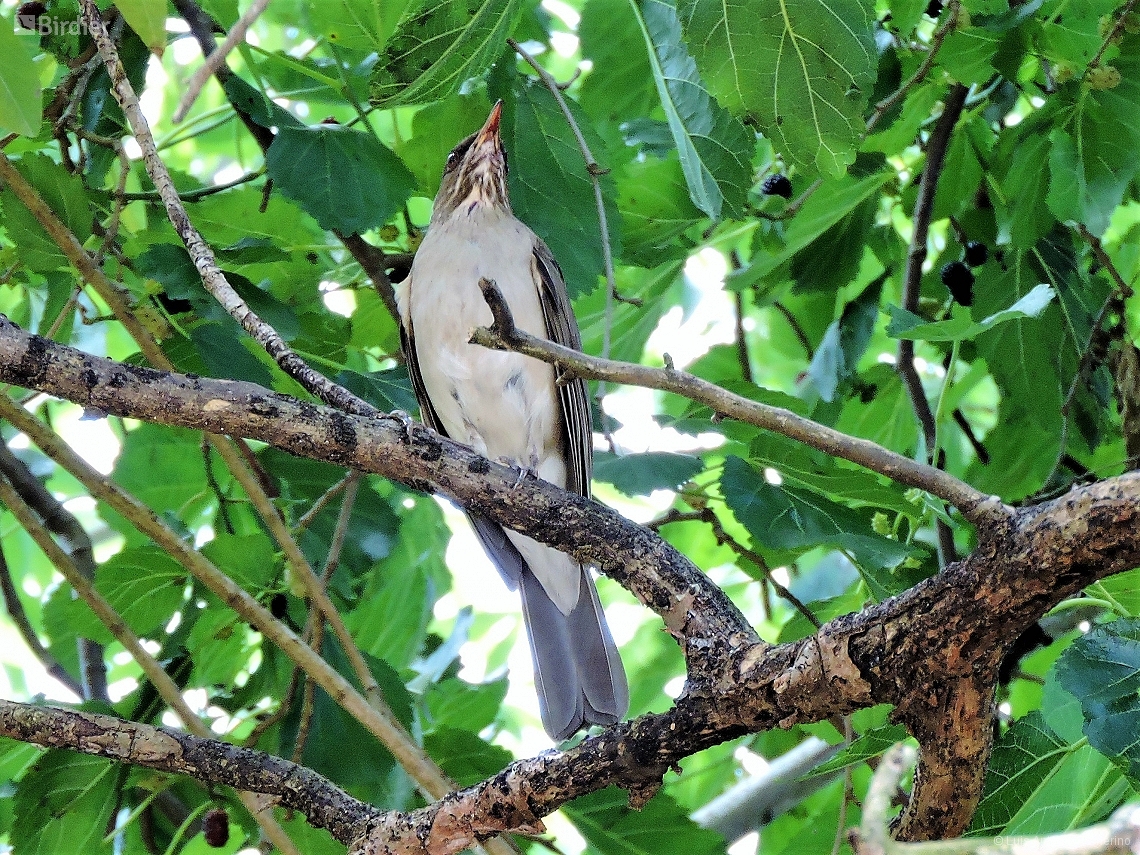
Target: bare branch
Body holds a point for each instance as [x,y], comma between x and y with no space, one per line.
[200,252]
[978,508]
[205,759]
[216,58]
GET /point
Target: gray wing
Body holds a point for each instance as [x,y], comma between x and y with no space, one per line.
[562,328]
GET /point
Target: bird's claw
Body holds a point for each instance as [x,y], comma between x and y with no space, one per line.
[404,419]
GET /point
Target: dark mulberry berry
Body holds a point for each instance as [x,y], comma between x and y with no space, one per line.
[957,277]
[777,185]
[279,606]
[216,827]
[934,8]
[976,253]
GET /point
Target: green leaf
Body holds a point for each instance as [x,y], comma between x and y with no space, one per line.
[620,85]
[347,179]
[611,827]
[551,191]
[390,621]
[68,200]
[961,325]
[162,467]
[783,517]
[968,55]
[465,757]
[656,210]
[438,45]
[248,559]
[641,474]
[1024,758]
[144,585]
[826,207]
[802,70]
[220,646]
[845,341]
[148,19]
[715,148]
[359,24]
[388,390]
[63,804]
[1023,216]
[458,704]
[222,348]
[1102,669]
[871,744]
[20,106]
[802,466]
[1094,159]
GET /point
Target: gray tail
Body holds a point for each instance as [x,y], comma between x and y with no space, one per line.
[577,669]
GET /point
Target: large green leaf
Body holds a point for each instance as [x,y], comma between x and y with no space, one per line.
[20,107]
[715,148]
[611,827]
[347,179]
[148,19]
[1102,669]
[961,326]
[826,207]
[1025,757]
[438,45]
[63,804]
[620,85]
[641,474]
[360,24]
[1093,159]
[63,193]
[785,517]
[551,191]
[803,70]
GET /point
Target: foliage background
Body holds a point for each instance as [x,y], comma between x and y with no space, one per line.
[799,302]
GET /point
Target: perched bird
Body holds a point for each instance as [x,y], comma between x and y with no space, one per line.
[510,407]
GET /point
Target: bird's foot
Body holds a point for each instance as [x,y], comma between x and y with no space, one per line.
[524,472]
[404,419]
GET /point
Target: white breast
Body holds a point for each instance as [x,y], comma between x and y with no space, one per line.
[503,404]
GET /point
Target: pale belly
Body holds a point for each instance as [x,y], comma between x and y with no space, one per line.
[502,404]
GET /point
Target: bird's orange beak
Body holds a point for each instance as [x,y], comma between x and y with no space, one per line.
[490,129]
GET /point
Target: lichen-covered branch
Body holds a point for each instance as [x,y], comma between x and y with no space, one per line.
[932,652]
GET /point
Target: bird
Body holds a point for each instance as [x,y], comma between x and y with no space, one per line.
[515,409]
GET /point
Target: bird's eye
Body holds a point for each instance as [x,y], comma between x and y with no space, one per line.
[457,154]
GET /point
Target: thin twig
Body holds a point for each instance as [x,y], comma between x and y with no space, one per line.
[978,508]
[195,195]
[28,632]
[323,501]
[114,622]
[920,73]
[923,210]
[418,765]
[216,58]
[200,251]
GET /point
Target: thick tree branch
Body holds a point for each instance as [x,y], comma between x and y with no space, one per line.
[206,760]
[932,652]
[978,508]
[694,609]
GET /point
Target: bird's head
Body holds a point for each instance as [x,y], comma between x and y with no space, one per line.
[476,172]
